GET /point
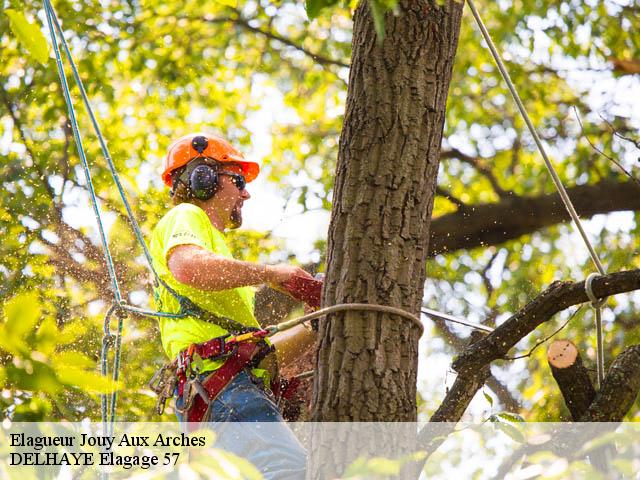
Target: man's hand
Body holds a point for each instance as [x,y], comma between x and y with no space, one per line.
[278,274]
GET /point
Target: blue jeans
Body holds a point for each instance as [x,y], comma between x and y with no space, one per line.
[272,448]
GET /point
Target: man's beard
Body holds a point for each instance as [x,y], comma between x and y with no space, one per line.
[235,218]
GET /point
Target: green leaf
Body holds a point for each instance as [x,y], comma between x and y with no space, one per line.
[47,336]
[35,410]
[71,332]
[488,398]
[510,417]
[229,3]
[22,313]
[315,6]
[29,35]
[86,380]
[508,423]
[40,377]
[515,434]
[72,359]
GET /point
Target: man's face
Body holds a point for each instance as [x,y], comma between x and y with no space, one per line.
[229,198]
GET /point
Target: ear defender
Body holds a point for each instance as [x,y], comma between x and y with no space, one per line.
[203,179]
[203,182]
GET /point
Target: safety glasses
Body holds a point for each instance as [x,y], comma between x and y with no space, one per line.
[237,179]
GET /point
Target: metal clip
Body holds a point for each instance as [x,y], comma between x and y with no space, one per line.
[188,394]
[202,391]
[180,360]
[163,383]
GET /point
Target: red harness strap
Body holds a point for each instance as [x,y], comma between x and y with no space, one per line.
[216,347]
[245,354]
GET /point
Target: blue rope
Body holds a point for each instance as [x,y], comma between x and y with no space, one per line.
[187,308]
[108,405]
[107,155]
[107,339]
[83,158]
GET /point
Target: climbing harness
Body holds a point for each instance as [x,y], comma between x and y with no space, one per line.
[198,394]
[556,181]
[184,373]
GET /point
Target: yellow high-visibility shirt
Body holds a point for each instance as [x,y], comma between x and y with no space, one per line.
[187,224]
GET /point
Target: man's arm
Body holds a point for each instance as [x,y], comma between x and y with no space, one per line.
[202,269]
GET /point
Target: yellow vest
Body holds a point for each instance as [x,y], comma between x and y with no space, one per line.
[187,224]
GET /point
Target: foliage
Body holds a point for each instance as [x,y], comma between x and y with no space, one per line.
[157,71]
[42,367]
[29,35]
[380,467]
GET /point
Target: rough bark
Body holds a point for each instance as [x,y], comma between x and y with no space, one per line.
[619,389]
[379,232]
[571,376]
[378,237]
[559,296]
[514,216]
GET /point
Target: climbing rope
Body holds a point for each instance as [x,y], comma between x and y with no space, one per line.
[108,404]
[184,303]
[342,307]
[83,158]
[556,180]
[460,321]
[597,303]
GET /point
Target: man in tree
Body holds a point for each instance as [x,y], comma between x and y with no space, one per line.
[207,177]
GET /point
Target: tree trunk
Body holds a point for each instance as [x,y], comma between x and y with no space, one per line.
[379,231]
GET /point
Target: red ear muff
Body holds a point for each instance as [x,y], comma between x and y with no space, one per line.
[203,182]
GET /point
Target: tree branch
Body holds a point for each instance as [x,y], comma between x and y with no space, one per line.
[512,217]
[619,389]
[270,34]
[449,196]
[608,157]
[559,296]
[505,397]
[479,166]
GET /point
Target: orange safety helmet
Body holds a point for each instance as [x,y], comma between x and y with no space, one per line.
[196,145]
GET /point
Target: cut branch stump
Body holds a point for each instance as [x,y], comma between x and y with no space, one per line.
[572,377]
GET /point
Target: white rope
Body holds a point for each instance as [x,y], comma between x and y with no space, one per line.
[557,182]
[597,303]
[341,307]
[461,321]
[554,175]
